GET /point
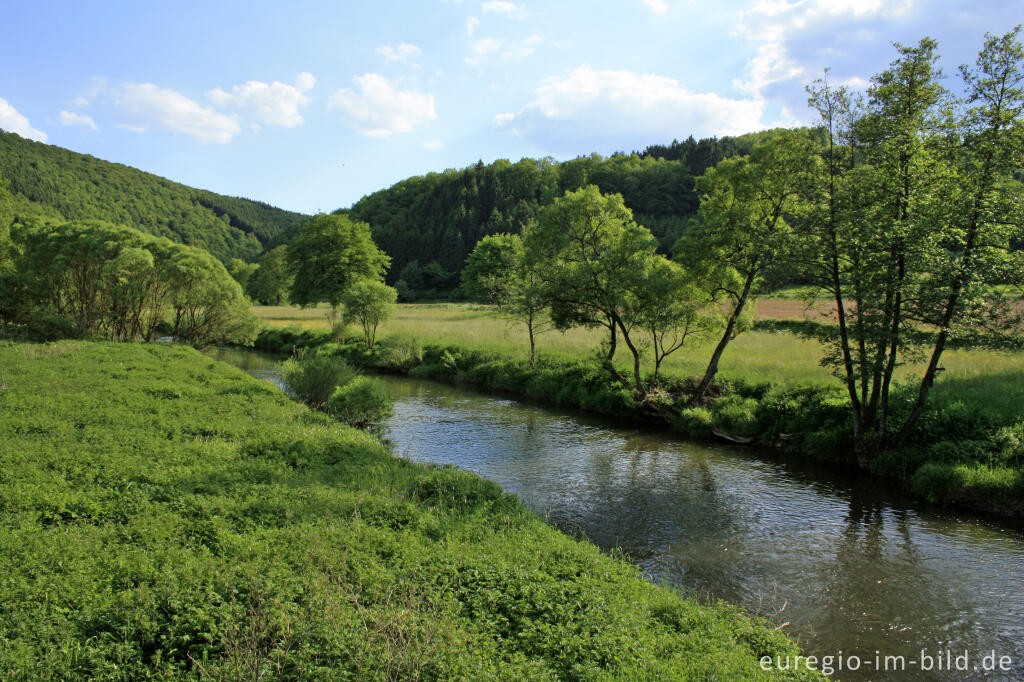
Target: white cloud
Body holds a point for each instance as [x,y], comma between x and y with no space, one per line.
[433,145]
[80,102]
[795,39]
[377,109]
[14,122]
[622,110]
[485,46]
[507,49]
[68,118]
[471,24]
[523,48]
[404,52]
[143,106]
[501,7]
[274,104]
[657,6]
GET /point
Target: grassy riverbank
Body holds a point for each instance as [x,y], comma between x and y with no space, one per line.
[166,516]
[991,380]
[968,450]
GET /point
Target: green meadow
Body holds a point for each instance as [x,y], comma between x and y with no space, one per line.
[164,516]
[991,380]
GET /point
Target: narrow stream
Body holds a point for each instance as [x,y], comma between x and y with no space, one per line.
[846,565]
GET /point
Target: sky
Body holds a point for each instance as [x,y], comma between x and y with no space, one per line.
[311,105]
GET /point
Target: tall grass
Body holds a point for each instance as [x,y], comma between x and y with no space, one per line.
[992,380]
[165,516]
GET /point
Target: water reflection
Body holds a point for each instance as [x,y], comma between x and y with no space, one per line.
[842,563]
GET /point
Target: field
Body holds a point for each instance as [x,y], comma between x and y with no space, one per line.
[165,516]
[992,379]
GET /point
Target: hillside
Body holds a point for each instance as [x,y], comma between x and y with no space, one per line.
[429,224]
[54,181]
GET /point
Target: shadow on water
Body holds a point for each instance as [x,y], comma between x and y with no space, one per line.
[842,562]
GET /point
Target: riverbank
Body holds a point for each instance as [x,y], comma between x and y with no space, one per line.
[201,525]
[964,454]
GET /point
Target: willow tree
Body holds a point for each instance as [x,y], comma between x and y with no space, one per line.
[588,255]
[328,255]
[917,211]
[669,307]
[743,229]
[497,272]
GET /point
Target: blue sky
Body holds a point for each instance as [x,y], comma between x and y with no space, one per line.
[311,105]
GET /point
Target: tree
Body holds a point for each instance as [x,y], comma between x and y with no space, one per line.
[114,281]
[329,254]
[241,271]
[743,228]
[369,303]
[586,251]
[497,272]
[915,234]
[985,211]
[207,304]
[271,279]
[669,308]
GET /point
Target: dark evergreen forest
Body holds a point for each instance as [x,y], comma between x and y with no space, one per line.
[429,224]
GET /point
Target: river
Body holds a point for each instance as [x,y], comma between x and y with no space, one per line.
[845,564]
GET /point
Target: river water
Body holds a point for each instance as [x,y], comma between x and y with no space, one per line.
[845,564]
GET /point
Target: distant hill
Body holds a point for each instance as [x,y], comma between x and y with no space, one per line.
[429,224]
[51,181]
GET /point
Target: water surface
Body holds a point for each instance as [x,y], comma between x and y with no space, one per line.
[842,563]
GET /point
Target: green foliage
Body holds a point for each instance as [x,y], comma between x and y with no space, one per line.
[736,416]
[200,525]
[368,303]
[402,351]
[591,259]
[329,254]
[497,271]
[915,220]
[62,185]
[742,229]
[117,282]
[312,376]
[440,217]
[241,271]
[493,268]
[270,281]
[363,402]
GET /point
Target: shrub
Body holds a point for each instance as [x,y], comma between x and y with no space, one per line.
[312,377]
[364,402]
[402,351]
[736,416]
[47,324]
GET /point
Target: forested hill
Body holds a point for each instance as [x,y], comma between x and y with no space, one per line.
[429,224]
[50,180]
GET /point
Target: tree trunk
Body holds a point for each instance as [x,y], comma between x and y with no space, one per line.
[533,346]
[730,327]
[636,357]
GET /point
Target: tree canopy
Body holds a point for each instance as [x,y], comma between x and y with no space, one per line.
[329,254]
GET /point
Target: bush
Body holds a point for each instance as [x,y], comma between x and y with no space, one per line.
[47,324]
[402,351]
[312,377]
[364,402]
[736,416]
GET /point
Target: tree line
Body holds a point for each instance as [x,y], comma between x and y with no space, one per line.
[429,224]
[96,279]
[904,208]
